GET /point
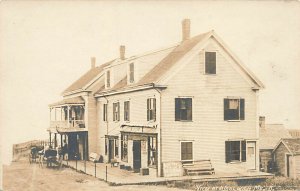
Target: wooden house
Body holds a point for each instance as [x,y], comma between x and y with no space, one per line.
[287,157]
[269,136]
[191,101]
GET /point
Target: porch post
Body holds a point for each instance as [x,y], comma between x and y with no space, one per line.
[50,139]
[68,114]
[55,141]
[50,113]
[61,140]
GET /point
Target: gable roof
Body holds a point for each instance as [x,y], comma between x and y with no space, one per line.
[292,145]
[271,134]
[161,69]
[86,78]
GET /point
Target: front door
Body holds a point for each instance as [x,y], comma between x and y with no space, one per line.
[111,149]
[136,155]
[289,166]
[251,155]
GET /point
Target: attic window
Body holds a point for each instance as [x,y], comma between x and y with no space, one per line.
[108,79]
[131,72]
[210,62]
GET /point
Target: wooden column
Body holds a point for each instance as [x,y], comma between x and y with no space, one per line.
[61,140]
[68,114]
[55,140]
[50,139]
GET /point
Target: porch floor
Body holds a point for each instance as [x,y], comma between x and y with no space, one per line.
[117,176]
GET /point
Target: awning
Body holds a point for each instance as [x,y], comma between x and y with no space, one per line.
[138,129]
[61,130]
[69,101]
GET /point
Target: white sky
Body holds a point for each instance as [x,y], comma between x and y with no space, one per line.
[45,46]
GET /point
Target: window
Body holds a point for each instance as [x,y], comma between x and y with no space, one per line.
[124,148]
[234,109]
[108,79]
[210,62]
[117,147]
[131,72]
[116,111]
[126,110]
[183,109]
[186,151]
[104,112]
[235,151]
[151,109]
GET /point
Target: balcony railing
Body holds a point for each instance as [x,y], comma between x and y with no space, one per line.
[68,124]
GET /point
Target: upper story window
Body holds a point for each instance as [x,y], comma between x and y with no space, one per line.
[151,109]
[104,112]
[183,109]
[210,62]
[234,109]
[126,110]
[116,111]
[108,79]
[131,72]
[235,151]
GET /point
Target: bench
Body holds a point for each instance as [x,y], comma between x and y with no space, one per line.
[198,167]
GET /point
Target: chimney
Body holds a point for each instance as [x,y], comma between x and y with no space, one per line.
[262,121]
[122,52]
[186,29]
[93,62]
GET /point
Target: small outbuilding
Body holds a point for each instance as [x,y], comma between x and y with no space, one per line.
[287,157]
[269,136]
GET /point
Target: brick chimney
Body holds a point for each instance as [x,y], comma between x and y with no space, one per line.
[93,62]
[262,121]
[122,52]
[186,29]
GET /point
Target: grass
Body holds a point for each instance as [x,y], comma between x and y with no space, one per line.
[275,182]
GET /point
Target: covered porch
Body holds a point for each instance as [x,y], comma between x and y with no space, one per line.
[67,131]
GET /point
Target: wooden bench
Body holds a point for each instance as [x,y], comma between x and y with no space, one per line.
[198,167]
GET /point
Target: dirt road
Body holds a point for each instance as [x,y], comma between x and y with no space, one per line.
[22,176]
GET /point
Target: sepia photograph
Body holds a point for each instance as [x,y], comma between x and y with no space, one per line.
[165,95]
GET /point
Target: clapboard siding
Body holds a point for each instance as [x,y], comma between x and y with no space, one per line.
[208,130]
[138,114]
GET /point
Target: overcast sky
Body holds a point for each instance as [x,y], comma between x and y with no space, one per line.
[45,46]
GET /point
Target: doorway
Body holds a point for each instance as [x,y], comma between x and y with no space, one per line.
[111,151]
[136,155]
[251,155]
[289,166]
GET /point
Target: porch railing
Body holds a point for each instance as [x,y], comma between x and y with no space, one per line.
[68,124]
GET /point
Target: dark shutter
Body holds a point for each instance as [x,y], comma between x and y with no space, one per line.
[243,151]
[177,109]
[227,151]
[189,105]
[148,109]
[242,109]
[226,109]
[118,111]
[154,109]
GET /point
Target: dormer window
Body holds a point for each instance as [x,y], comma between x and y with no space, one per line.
[108,79]
[131,72]
[210,62]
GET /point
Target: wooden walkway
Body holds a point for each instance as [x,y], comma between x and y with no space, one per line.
[117,176]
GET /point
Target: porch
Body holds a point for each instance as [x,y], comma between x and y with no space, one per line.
[117,176]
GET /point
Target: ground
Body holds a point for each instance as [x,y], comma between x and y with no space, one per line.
[22,176]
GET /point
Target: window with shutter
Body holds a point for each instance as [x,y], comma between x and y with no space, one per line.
[234,109]
[126,110]
[151,109]
[116,111]
[104,112]
[183,109]
[108,79]
[131,72]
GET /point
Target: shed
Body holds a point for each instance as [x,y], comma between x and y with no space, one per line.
[287,157]
[269,136]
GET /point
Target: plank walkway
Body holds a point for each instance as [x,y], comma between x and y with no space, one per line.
[117,176]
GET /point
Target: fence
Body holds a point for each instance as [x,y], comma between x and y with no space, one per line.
[23,149]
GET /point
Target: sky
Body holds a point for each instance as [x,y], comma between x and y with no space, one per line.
[47,45]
